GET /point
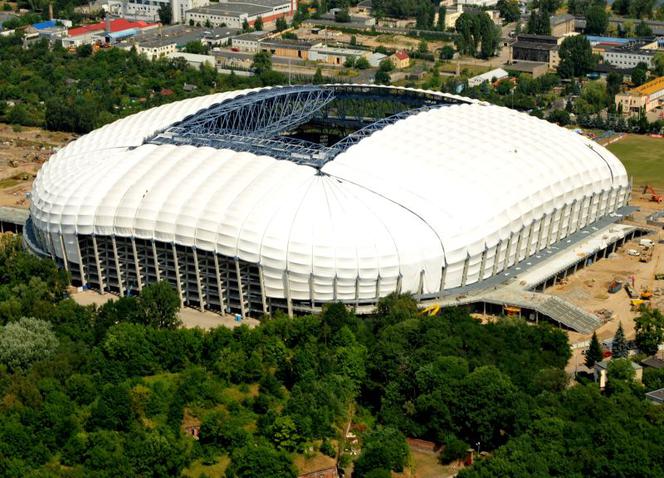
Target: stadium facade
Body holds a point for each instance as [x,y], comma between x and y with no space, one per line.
[291,197]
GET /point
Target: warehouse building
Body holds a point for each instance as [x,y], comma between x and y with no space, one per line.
[234,13]
[289,198]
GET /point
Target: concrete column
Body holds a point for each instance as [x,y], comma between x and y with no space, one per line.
[118,271]
[549,233]
[199,286]
[98,262]
[240,289]
[464,275]
[177,274]
[378,287]
[261,278]
[137,264]
[289,301]
[573,226]
[420,286]
[357,291]
[508,251]
[335,293]
[220,288]
[483,262]
[529,238]
[399,283]
[443,273]
[519,242]
[312,292]
[540,234]
[579,219]
[80,262]
[496,258]
[561,219]
[64,252]
[156,260]
[592,211]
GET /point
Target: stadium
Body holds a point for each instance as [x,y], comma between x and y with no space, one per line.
[291,197]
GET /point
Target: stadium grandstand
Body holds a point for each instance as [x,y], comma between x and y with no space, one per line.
[291,197]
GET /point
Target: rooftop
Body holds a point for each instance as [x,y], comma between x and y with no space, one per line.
[117,25]
[605,364]
[656,395]
[235,9]
[558,19]
[653,362]
[181,35]
[648,88]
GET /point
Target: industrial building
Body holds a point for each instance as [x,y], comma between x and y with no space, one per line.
[234,13]
[291,197]
[536,48]
[641,99]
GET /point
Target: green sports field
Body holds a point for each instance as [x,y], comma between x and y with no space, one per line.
[643,156]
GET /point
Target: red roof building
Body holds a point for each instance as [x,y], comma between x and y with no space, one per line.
[400,59]
[117,25]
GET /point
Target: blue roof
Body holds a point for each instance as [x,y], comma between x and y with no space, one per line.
[124,33]
[600,39]
[43,25]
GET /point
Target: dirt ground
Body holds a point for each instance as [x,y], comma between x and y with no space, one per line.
[22,153]
[588,288]
[371,41]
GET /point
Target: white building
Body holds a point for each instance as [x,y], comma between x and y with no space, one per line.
[625,58]
[194,59]
[490,76]
[149,9]
[254,223]
[233,13]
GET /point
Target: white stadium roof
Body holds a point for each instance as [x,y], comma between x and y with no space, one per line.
[434,190]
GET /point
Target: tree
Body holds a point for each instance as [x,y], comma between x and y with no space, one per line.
[561,117]
[640,73]
[649,330]
[281,24]
[318,77]
[423,47]
[643,30]
[383,449]
[258,460]
[196,47]
[509,10]
[258,23]
[158,306]
[165,14]
[245,25]
[539,23]
[26,341]
[446,53]
[262,63]
[658,63]
[620,369]
[342,16]
[576,57]
[425,15]
[350,62]
[597,20]
[362,63]
[594,353]
[442,12]
[619,348]
[614,81]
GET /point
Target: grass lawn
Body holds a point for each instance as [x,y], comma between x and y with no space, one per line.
[643,157]
[213,471]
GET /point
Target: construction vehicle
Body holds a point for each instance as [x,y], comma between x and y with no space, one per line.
[646,293]
[659,276]
[654,197]
[646,255]
[431,311]
[615,286]
[630,291]
[636,304]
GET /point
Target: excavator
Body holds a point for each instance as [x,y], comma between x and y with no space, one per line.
[654,197]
